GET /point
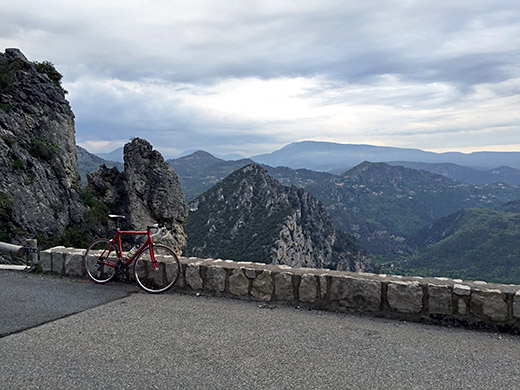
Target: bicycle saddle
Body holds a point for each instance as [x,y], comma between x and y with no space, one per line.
[116,216]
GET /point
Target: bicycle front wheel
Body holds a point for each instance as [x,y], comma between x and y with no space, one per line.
[161,277]
[100,260]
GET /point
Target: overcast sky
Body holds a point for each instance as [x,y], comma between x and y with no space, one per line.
[249,77]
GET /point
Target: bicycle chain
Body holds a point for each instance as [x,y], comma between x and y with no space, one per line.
[122,271]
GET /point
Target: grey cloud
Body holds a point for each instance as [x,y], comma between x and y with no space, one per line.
[352,43]
[345,43]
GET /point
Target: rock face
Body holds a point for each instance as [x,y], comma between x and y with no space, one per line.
[88,162]
[37,151]
[251,216]
[147,192]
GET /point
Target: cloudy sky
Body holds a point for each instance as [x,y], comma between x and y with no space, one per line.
[249,77]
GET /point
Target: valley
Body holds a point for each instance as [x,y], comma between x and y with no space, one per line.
[385,207]
[391,210]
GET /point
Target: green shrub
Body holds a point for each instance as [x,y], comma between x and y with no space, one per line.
[43,148]
[86,197]
[80,235]
[8,69]
[48,68]
[6,202]
[5,80]
[9,141]
[6,226]
[5,107]
[18,164]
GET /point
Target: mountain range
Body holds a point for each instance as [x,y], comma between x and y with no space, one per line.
[464,174]
[337,158]
[386,207]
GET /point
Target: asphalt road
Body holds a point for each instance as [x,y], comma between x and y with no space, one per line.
[197,342]
[28,300]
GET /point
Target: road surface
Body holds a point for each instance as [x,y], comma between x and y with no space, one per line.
[124,339]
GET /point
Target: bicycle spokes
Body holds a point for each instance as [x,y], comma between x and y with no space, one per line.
[157,274]
[100,260]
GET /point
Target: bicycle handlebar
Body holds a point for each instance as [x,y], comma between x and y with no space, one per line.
[156,226]
[161,231]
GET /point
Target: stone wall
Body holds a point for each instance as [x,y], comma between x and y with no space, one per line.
[435,300]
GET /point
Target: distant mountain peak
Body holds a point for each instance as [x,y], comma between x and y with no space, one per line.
[200,155]
[114,155]
[382,174]
[251,171]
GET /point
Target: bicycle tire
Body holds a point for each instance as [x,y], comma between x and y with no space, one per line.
[100,261]
[160,279]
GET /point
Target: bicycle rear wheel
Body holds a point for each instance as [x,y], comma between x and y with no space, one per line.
[161,278]
[100,260]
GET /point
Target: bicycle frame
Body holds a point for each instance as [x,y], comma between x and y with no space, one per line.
[155,267]
[148,243]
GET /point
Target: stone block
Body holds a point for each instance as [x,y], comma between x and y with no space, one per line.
[58,262]
[489,304]
[462,307]
[516,305]
[215,278]
[181,281]
[405,297]
[283,286]
[193,278]
[323,286]
[238,282]
[308,290]
[46,260]
[439,301]
[263,286]
[73,265]
[250,273]
[60,249]
[356,293]
[461,290]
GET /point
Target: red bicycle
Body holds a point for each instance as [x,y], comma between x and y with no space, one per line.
[156,267]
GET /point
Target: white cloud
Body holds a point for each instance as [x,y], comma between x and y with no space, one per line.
[389,111]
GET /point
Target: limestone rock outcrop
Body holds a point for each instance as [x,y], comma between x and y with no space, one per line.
[38,169]
[147,192]
[251,216]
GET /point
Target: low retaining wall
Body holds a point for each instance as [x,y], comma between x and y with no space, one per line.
[437,300]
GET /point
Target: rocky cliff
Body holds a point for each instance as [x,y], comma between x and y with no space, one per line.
[147,192]
[38,169]
[251,216]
